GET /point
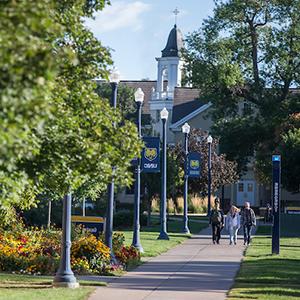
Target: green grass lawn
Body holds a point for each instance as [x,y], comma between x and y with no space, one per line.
[153,247]
[26,287]
[266,276]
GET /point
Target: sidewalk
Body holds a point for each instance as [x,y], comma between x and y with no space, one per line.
[196,269]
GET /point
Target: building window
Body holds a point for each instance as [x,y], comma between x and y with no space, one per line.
[240,187]
[250,187]
[157,116]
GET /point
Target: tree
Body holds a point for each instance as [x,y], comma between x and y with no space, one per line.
[62,136]
[223,171]
[86,142]
[125,103]
[245,61]
[27,72]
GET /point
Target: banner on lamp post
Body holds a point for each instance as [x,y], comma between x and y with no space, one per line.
[150,155]
[194,164]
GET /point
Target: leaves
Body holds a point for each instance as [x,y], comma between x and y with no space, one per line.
[245,61]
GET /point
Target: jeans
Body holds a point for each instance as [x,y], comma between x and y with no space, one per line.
[247,233]
[216,232]
[233,234]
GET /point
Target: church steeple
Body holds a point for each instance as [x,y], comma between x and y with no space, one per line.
[174,43]
[169,65]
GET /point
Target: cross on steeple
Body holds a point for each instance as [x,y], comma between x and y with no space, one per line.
[176,12]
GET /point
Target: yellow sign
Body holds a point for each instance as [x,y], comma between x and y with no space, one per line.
[87,219]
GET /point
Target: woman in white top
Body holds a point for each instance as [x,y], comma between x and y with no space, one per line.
[233,223]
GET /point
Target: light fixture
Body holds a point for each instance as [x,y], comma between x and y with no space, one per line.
[114,76]
[186,128]
[164,114]
[209,139]
[139,95]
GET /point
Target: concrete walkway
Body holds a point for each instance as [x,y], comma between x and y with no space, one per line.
[196,269]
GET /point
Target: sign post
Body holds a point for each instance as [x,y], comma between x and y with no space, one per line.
[276,164]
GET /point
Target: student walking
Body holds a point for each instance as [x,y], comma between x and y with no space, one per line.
[233,223]
[216,219]
[248,220]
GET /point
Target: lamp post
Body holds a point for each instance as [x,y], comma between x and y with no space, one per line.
[114,80]
[209,142]
[163,235]
[186,130]
[64,276]
[139,98]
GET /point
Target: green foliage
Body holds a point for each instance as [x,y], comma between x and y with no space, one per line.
[57,135]
[245,61]
[27,71]
[290,150]
[223,171]
[124,219]
[125,99]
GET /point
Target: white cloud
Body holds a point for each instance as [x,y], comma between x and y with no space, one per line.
[119,15]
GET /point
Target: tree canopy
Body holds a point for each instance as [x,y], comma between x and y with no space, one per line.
[58,134]
[245,61]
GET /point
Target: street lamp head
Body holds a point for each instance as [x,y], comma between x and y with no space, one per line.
[114,76]
[209,139]
[164,114]
[186,128]
[139,95]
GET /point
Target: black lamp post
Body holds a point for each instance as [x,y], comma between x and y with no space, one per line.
[186,130]
[163,235]
[209,142]
[114,80]
[64,276]
[139,98]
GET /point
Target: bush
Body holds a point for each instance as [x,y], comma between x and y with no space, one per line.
[128,256]
[124,218]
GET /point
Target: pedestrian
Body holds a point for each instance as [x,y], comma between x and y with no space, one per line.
[268,213]
[233,223]
[216,219]
[248,220]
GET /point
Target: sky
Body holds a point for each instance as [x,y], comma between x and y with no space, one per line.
[137,31]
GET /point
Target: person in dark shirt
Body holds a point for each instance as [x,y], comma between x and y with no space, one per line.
[216,219]
[248,220]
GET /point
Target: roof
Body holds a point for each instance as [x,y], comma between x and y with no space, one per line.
[146,86]
[174,43]
[184,109]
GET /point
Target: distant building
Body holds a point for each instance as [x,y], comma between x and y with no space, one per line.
[184,105]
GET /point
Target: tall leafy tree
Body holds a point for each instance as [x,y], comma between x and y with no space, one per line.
[86,143]
[245,61]
[27,73]
[223,171]
[60,135]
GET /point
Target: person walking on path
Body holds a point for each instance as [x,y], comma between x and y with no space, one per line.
[248,220]
[216,219]
[233,223]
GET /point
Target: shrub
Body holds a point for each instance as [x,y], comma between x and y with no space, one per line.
[124,218]
[128,256]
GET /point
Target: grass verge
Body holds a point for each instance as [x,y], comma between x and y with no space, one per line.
[26,287]
[269,277]
[153,247]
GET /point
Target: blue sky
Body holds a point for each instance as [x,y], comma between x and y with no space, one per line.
[137,31]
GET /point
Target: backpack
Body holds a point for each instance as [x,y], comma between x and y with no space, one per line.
[216,217]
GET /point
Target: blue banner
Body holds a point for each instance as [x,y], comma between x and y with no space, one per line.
[194,164]
[150,155]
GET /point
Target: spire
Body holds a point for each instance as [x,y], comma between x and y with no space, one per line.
[176,12]
[174,43]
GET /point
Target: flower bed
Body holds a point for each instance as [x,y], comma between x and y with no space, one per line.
[37,251]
